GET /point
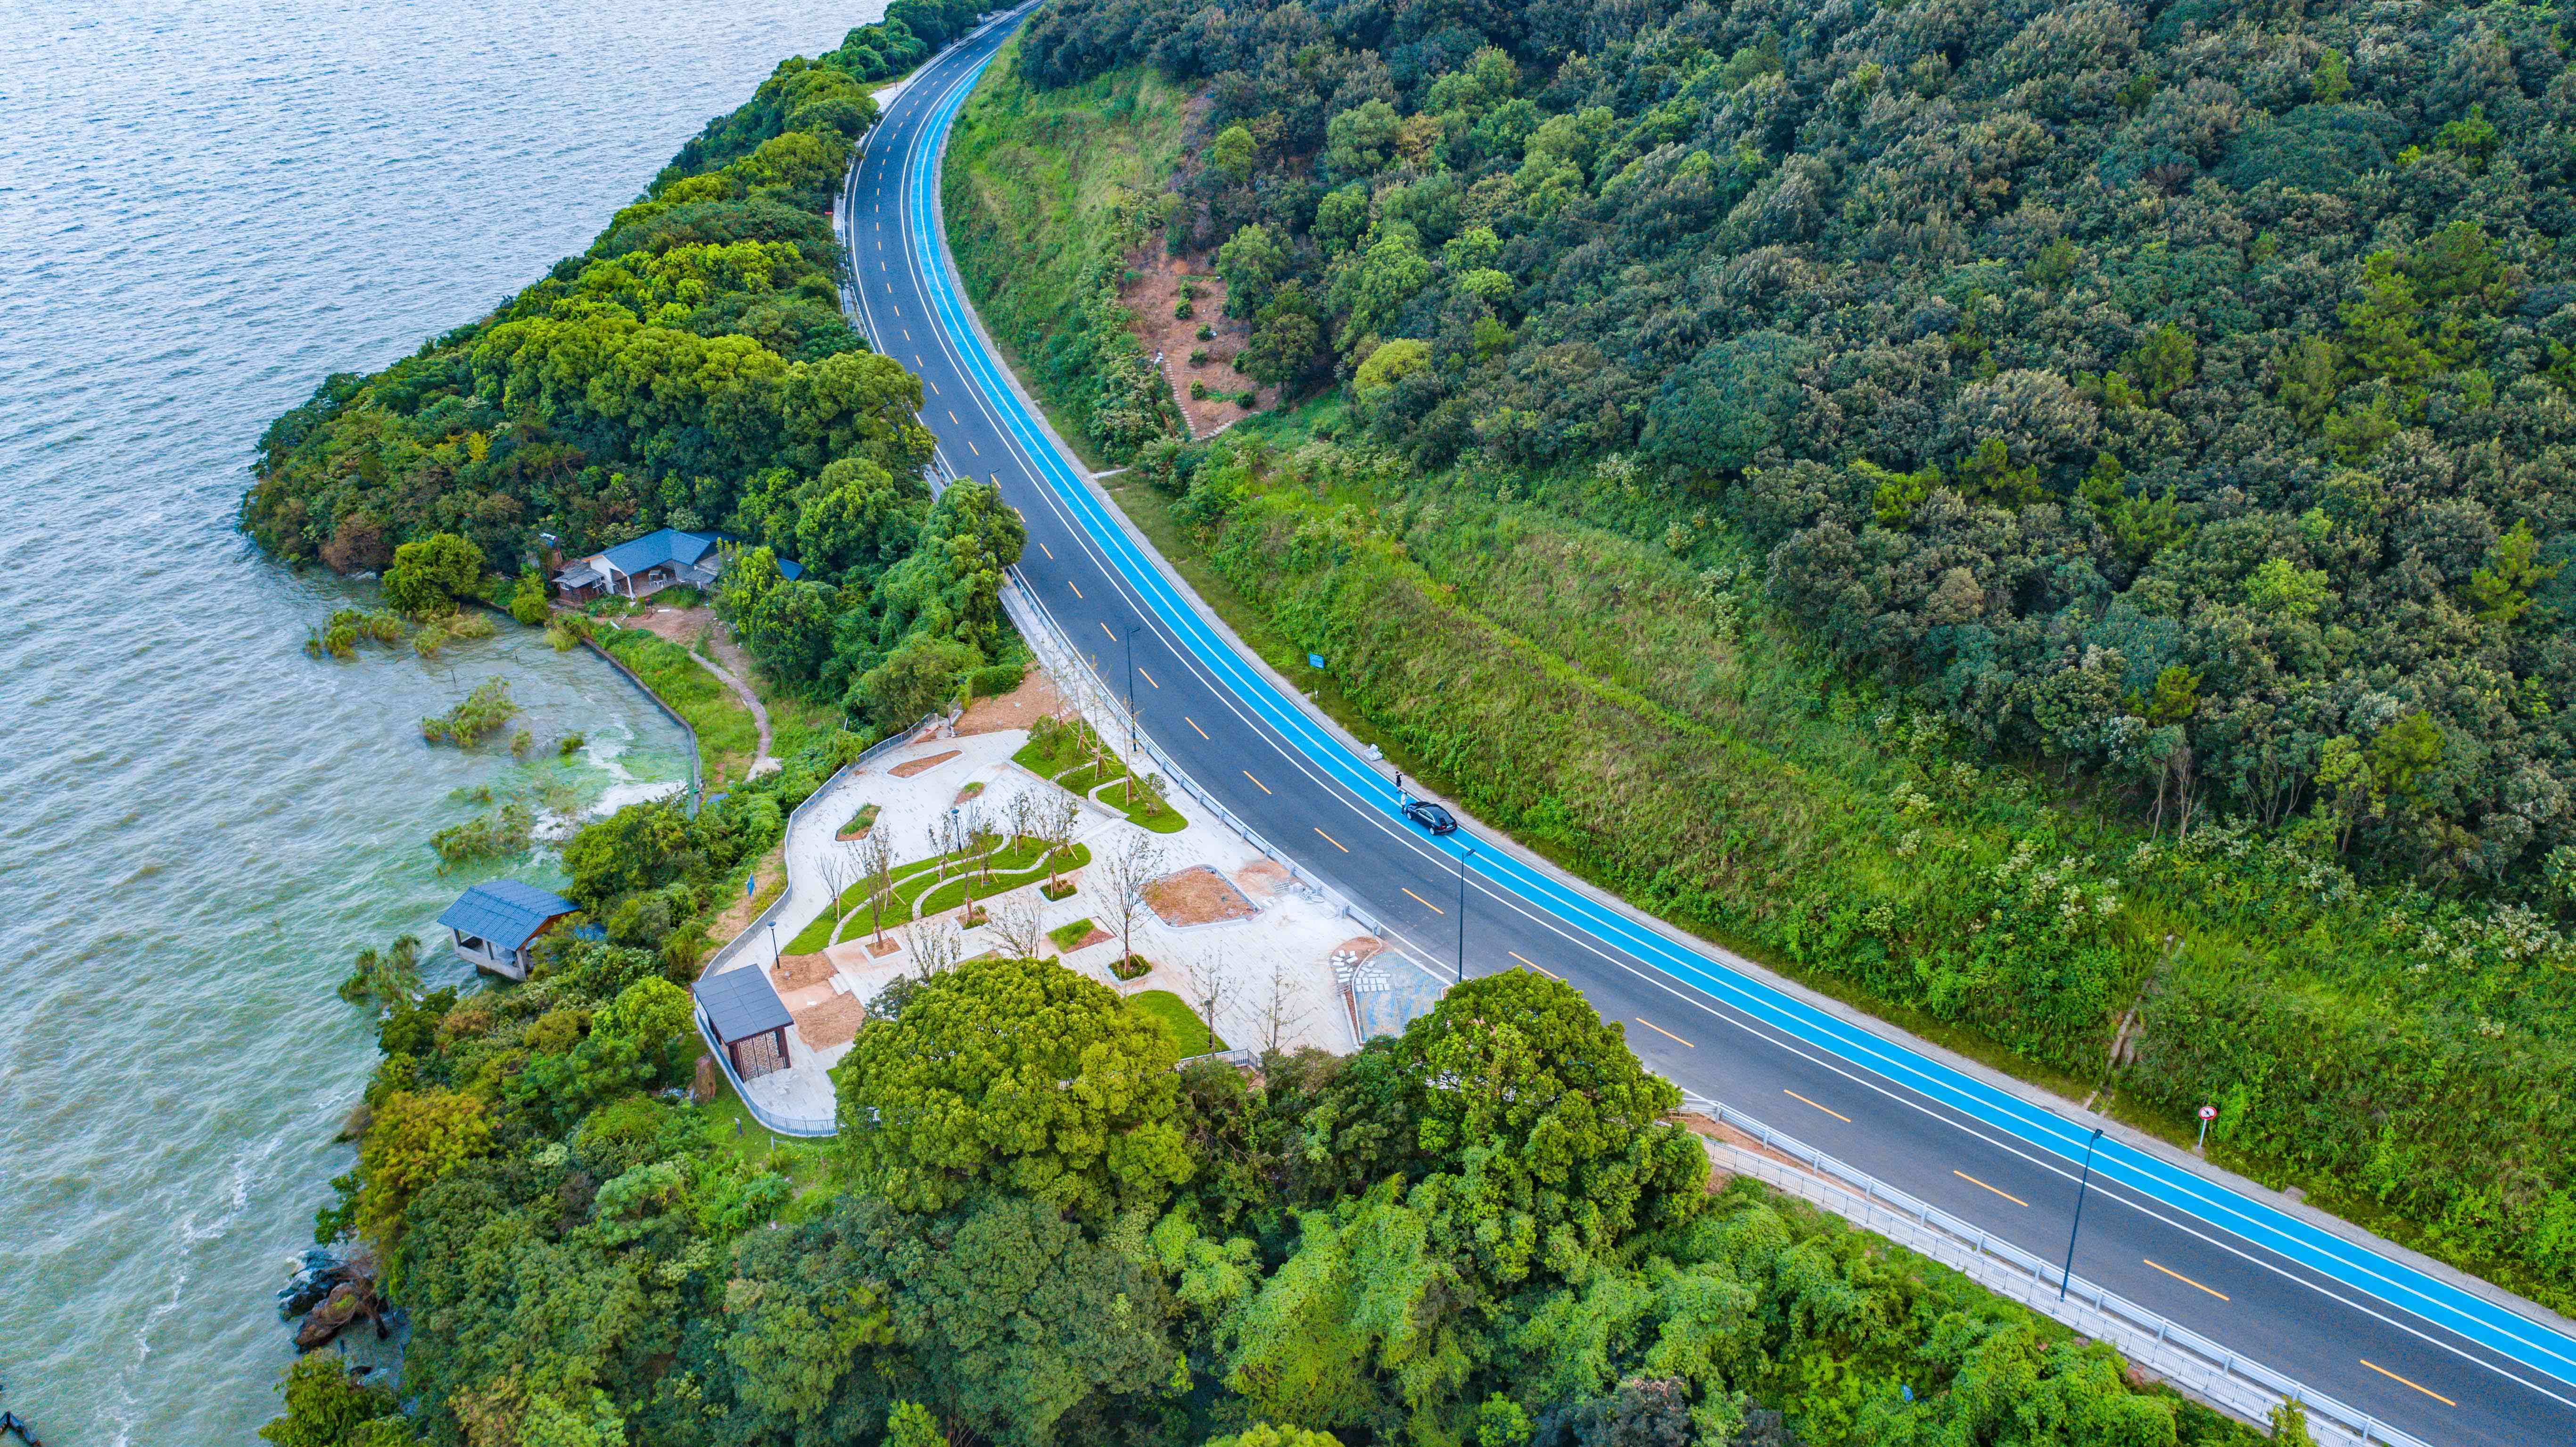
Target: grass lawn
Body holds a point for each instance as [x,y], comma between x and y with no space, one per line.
[1066,936]
[733,1132]
[919,890]
[1145,812]
[860,822]
[1190,1034]
[727,736]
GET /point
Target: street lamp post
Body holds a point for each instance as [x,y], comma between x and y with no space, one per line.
[1132,630]
[1466,852]
[773,944]
[2081,1187]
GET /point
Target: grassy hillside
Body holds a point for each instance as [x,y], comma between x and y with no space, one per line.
[2401,1058]
[1045,193]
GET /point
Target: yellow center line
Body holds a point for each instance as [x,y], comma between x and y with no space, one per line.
[2185,1280]
[1149,678]
[971,447]
[1827,1109]
[1256,783]
[1998,1190]
[1194,723]
[1077,592]
[1533,964]
[1426,904]
[1113,637]
[1336,843]
[952,418]
[1660,1030]
[889,288]
[907,336]
[2392,1376]
[933,386]
[1050,552]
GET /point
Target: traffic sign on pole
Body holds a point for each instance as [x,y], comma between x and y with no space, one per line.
[2208,1113]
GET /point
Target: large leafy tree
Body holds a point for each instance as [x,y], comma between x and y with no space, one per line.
[1016,1073]
[1551,1129]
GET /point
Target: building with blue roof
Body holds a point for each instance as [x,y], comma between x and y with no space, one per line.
[496,921]
[646,565]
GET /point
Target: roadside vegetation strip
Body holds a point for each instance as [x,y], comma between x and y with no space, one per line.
[2007,889]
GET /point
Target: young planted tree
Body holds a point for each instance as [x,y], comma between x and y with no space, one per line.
[1124,873]
[1014,922]
[876,871]
[1209,990]
[1280,1015]
[935,945]
[1058,817]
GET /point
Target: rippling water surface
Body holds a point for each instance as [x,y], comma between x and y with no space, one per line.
[203,208]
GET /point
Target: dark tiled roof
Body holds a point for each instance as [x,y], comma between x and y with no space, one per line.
[504,911]
[741,1003]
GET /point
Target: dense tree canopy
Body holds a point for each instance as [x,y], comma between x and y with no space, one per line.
[691,370]
[1017,1073]
[2175,392]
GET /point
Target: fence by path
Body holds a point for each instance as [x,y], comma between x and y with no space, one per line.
[2232,1383]
[779,1121]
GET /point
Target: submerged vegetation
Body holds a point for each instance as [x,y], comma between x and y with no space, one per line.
[476,717]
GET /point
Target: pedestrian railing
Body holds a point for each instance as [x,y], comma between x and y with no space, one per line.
[2234,1384]
[808,1127]
[1057,653]
[722,959]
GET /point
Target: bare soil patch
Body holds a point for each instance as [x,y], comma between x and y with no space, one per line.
[1151,299]
[684,626]
[1262,878]
[1197,895]
[829,1022]
[881,950]
[1098,936]
[1034,699]
[797,972]
[1360,947]
[921,766]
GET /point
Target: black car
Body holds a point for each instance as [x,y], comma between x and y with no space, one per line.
[1430,816]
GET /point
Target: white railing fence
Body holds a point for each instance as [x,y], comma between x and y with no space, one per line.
[2193,1363]
[780,1121]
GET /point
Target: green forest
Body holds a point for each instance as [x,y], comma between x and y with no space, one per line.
[1477,1233]
[2175,394]
[693,370]
[2180,765]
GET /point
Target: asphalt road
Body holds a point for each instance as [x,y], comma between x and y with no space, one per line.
[2365,1328]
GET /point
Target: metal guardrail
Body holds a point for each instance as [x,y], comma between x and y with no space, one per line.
[1045,636]
[779,1121]
[2233,1383]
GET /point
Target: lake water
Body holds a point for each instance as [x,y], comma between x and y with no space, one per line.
[204,207]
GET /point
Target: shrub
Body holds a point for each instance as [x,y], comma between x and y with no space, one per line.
[994,680]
